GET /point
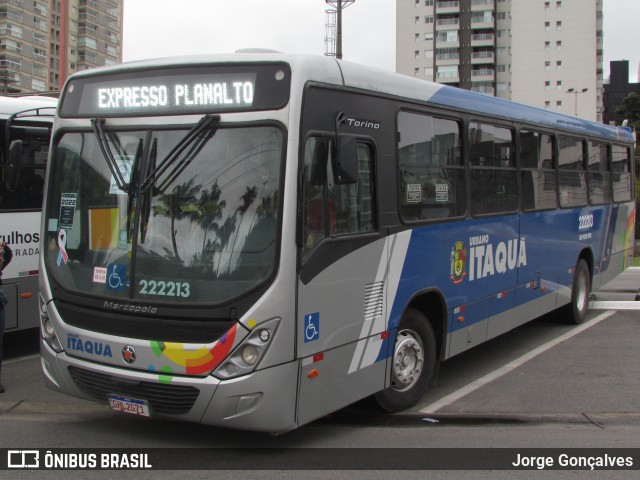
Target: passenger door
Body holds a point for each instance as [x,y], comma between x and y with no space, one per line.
[341,286]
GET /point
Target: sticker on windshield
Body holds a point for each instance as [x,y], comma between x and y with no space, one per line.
[62,247]
[67,210]
[116,276]
[125,165]
[99,275]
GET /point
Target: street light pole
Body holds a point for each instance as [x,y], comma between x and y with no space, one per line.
[575,101]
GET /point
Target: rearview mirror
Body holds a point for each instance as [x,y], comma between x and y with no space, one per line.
[345,168]
[345,158]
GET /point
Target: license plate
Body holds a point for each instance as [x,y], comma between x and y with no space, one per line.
[129,405]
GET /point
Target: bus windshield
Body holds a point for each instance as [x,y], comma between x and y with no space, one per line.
[129,218]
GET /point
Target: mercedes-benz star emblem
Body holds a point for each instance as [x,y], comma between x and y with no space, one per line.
[128,354]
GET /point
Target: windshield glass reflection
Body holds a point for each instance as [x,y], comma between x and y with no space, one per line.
[202,230]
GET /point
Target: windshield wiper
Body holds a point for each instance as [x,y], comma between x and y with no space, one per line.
[98,124]
[145,206]
[135,169]
[192,143]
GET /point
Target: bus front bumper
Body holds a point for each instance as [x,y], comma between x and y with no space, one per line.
[262,401]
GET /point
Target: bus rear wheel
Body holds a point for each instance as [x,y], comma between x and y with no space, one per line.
[414,359]
[576,311]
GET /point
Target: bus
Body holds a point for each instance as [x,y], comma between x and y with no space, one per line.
[255,240]
[25,130]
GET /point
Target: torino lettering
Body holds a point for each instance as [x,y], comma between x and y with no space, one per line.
[489,259]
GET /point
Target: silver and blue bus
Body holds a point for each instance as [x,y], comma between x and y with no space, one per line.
[256,240]
[25,131]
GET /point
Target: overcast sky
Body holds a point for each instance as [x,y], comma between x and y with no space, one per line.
[160,28]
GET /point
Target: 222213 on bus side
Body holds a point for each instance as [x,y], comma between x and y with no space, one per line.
[256,240]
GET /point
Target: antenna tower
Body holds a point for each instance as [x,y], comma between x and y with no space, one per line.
[333,27]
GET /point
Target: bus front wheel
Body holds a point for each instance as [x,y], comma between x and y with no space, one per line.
[577,310]
[413,363]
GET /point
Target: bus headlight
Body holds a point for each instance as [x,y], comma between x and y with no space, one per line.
[250,354]
[247,356]
[46,328]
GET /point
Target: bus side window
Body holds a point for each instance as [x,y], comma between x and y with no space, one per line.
[621,173]
[537,171]
[573,187]
[432,172]
[494,185]
[329,209]
[599,173]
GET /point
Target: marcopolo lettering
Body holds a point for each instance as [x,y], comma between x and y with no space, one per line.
[125,307]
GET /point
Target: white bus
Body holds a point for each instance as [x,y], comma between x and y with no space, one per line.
[256,240]
[25,130]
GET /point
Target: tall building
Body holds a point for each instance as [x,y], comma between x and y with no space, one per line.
[42,42]
[616,90]
[544,53]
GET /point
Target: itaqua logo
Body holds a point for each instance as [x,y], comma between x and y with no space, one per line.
[485,258]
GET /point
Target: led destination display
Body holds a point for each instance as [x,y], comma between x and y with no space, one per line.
[221,93]
[177,91]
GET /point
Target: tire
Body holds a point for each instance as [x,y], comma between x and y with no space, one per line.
[576,312]
[413,363]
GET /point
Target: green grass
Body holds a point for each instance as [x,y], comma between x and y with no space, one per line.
[635,262]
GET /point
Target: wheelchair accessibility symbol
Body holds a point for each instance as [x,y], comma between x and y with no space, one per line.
[116,276]
[311,327]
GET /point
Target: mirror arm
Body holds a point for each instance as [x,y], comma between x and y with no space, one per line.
[341,118]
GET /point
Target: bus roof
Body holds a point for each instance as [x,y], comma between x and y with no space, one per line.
[11,105]
[474,103]
[362,77]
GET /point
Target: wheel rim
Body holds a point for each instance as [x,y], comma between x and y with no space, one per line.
[581,294]
[408,360]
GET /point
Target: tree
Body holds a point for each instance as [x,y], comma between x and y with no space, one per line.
[181,203]
[209,212]
[630,110]
[247,198]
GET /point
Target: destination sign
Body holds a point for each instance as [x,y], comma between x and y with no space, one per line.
[177,91]
[232,92]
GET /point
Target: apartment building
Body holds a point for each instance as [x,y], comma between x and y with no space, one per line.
[546,53]
[42,42]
